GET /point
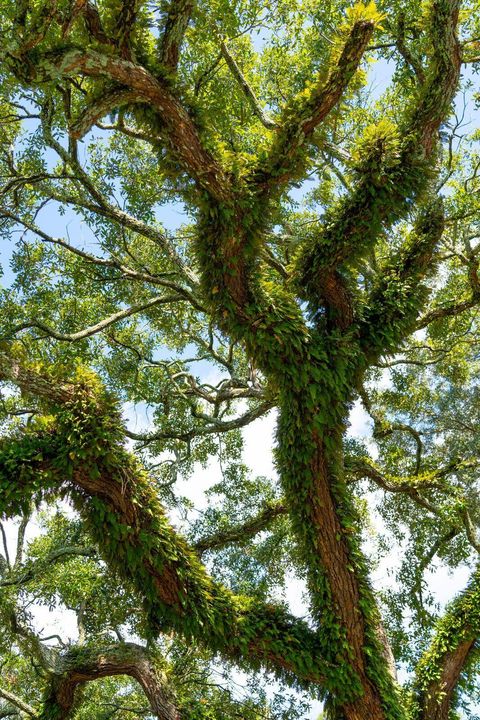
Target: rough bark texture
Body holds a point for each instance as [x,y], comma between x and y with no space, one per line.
[438,696]
[86,665]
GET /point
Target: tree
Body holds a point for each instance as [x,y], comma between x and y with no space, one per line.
[113,110]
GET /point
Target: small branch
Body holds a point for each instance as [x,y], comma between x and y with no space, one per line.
[103,324]
[102,106]
[242,532]
[125,271]
[247,90]
[21,539]
[215,426]
[30,571]
[176,23]
[5,545]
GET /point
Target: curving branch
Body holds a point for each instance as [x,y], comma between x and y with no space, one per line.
[87,663]
[104,105]
[121,507]
[100,326]
[182,135]
[18,702]
[242,532]
[383,428]
[212,426]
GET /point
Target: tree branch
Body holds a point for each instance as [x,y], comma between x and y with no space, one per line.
[214,426]
[102,106]
[176,23]
[88,663]
[120,505]
[183,137]
[301,116]
[18,702]
[31,570]
[246,89]
[395,299]
[125,271]
[100,326]
[242,532]
[441,666]
[393,170]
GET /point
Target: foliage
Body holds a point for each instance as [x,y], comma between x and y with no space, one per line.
[268,294]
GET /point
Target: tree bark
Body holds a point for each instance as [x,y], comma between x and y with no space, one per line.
[86,664]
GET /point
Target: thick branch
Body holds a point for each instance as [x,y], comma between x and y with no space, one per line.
[440,668]
[394,167]
[394,302]
[86,664]
[182,135]
[18,702]
[301,117]
[125,517]
[176,23]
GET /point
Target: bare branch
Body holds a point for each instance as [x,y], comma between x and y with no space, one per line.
[214,426]
[244,531]
[125,271]
[247,90]
[20,540]
[103,324]
[31,570]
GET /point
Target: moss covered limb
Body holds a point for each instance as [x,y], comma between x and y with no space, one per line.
[243,531]
[87,663]
[79,450]
[305,112]
[393,167]
[326,526]
[392,306]
[441,666]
